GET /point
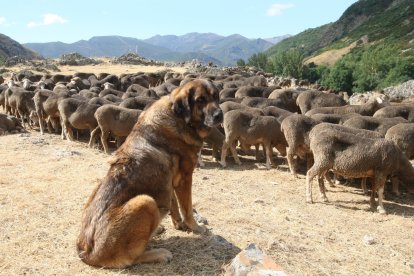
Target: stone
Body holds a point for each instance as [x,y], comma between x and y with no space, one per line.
[253,262]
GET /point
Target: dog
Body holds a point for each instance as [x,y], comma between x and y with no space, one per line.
[150,176]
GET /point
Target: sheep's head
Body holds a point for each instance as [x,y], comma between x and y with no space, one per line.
[26,83]
[11,83]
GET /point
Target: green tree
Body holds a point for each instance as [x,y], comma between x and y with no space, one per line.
[289,64]
[259,60]
[241,62]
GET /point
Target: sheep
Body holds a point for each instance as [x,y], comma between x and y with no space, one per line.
[9,124]
[367,109]
[165,88]
[215,139]
[259,102]
[137,102]
[251,129]
[288,97]
[19,102]
[79,84]
[296,130]
[99,83]
[380,125]
[403,136]
[77,114]
[279,113]
[88,94]
[101,101]
[311,99]
[228,93]
[227,106]
[115,92]
[114,120]
[61,78]
[405,111]
[254,91]
[355,156]
[333,118]
[112,98]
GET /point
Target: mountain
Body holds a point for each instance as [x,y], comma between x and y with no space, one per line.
[99,46]
[365,21]
[10,47]
[206,47]
[277,39]
[228,49]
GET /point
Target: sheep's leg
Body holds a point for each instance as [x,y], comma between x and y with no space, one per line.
[235,156]
[322,189]
[50,128]
[329,179]
[104,140]
[364,185]
[395,184]
[92,140]
[224,154]
[291,161]
[380,183]
[312,172]
[41,123]
[257,148]
[69,132]
[200,159]
[268,150]
[62,126]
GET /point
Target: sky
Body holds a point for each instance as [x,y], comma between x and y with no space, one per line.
[72,20]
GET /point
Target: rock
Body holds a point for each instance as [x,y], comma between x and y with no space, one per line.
[368,240]
[252,261]
[65,153]
[76,59]
[199,218]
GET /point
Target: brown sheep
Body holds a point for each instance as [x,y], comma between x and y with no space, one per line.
[367,109]
[251,129]
[311,99]
[76,114]
[114,120]
[354,156]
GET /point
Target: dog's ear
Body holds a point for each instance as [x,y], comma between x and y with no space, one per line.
[181,103]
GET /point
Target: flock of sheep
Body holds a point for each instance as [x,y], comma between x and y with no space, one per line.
[371,140]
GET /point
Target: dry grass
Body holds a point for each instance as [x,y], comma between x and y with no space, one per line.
[46,181]
[107,67]
[330,57]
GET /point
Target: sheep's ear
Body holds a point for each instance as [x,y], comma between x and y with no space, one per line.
[181,105]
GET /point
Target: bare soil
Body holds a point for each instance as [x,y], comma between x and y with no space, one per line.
[45,182]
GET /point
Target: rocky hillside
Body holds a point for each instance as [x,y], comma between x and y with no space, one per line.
[10,48]
[366,21]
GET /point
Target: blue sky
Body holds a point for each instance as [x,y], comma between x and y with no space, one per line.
[72,20]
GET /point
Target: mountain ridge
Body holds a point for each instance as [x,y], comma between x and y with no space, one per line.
[207,47]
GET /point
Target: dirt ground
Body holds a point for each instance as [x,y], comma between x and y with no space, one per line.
[45,182]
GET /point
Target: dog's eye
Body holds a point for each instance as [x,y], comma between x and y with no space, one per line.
[201,100]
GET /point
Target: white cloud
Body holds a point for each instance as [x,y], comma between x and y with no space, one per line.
[48,19]
[277,9]
[2,20]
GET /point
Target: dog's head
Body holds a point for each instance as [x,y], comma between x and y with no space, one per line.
[197,102]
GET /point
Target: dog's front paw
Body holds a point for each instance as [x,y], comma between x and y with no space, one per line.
[180,225]
[199,229]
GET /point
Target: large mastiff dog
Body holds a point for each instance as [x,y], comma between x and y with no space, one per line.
[149,174]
